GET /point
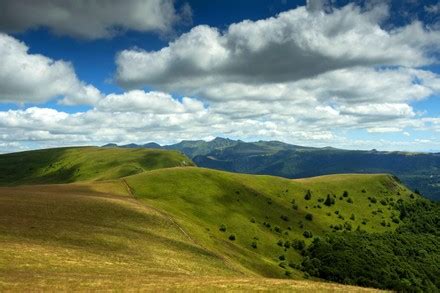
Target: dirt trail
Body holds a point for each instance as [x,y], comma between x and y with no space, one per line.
[130,192]
[225,258]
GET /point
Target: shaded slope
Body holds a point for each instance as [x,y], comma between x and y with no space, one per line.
[64,165]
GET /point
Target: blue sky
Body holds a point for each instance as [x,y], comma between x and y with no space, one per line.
[350,74]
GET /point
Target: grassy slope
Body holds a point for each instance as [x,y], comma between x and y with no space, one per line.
[93,234]
[75,236]
[63,165]
[203,199]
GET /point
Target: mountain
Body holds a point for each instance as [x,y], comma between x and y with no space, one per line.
[148,219]
[194,148]
[419,171]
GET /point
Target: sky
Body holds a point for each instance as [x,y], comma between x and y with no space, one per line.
[348,74]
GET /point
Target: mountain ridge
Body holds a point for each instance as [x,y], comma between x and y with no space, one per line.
[419,170]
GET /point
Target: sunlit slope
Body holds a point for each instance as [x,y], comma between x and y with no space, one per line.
[63,165]
[95,236]
[262,213]
[75,235]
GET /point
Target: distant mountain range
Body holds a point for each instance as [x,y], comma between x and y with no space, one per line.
[420,171]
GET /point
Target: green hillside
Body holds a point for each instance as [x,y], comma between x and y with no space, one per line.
[83,236]
[134,218]
[269,216]
[419,171]
[63,165]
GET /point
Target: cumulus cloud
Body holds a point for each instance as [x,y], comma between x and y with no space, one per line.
[294,45]
[307,76]
[28,77]
[90,19]
[148,102]
[315,69]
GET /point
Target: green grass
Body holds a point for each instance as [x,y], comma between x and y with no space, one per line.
[202,200]
[63,165]
[73,235]
[93,234]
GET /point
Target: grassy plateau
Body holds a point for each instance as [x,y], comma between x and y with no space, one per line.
[111,218]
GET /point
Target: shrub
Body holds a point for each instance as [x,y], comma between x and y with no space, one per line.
[284,218]
[347,226]
[282,257]
[329,200]
[222,228]
[353,217]
[280,242]
[373,200]
[287,244]
[254,244]
[309,217]
[308,234]
[232,237]
[383,202]
[308,195]
[298,244]
[294,206]
[345,194]
[277,229]
[294,265]
[349,200]
[253,220]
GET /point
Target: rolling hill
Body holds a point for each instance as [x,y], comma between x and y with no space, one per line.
[419,171]
[147,219]
[64,165]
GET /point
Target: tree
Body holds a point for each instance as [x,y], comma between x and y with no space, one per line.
[308,195]
[308,234]
[329,200]
[232,237]
[309,217]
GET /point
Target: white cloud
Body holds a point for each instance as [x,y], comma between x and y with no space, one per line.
[306,77]
[148,102]
[314,69]
[294,45]
[90,19]
[28,77]
[433,9]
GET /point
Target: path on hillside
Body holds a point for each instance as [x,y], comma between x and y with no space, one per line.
[226,259]
[130,192]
